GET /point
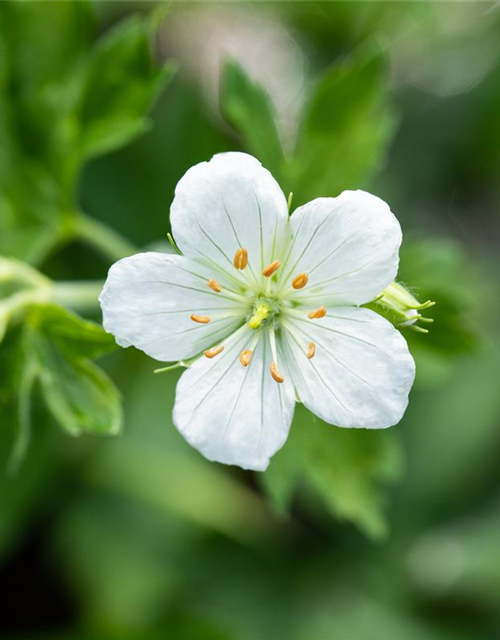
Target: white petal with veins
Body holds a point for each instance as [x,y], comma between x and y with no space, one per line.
[362,371]
[235,414]
[227,203]
[348,365]
[348,246]
[148,299]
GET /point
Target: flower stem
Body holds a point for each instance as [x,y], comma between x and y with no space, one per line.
[78,296]
[102,237]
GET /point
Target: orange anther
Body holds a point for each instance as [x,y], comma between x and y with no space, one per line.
[245,357]
[300,281]
[214,351]
[240,259]
[200,319]
[271,268]
[214,285]
[317,313]
[275,373]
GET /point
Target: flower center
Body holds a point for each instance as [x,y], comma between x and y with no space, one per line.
[263,313]
[269,314]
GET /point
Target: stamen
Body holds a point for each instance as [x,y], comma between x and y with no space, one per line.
[240,259]
[245,357]
[300,281]
[200,319]
[275,373]
[271,268]
[214,351]
[311,352]
[214,285]
[317,313]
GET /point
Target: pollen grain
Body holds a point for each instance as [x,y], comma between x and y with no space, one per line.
[271,268]
[200,319]
[240,259]
[317,313]
[300,281]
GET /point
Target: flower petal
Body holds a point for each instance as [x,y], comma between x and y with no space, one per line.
[348,246]
[234,414]
[362,371]
[228,203]
[148,298]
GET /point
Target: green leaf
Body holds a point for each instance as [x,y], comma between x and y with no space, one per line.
[345,467]
[17,377]
[346,128]
[63,100]
[72,334]
[248,108]
[22,488]
[121,83]
[443,270]
[51,348]
[80,396]
[55,38]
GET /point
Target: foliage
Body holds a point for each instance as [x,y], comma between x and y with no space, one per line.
[60,104]
[341,466]
[96,98]
[342,138]
[138,536]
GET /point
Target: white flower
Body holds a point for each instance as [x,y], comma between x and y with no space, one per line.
[272,303]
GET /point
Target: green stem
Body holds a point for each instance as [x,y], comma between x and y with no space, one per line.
[78,296]
[102,237]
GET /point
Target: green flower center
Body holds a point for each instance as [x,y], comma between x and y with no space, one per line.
[264,311]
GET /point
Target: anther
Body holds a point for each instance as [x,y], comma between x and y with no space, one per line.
[214,285]
[300,281]
[245,357]
[275,373]
[311,352]
[214,351]
[317,313]
[240,259]
[271,268]
[200,319]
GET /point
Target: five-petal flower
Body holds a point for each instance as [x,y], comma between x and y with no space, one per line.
[270,303]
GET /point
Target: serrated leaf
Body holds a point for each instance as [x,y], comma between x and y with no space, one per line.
[80,396]
[121,82]
[71,333]
[247,107]
[345,131]
[78,393]
[62,100]
[54,347]
[345,467]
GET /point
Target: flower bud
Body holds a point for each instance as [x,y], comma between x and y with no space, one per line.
[400,307]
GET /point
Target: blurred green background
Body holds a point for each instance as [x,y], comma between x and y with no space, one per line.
[348,535]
